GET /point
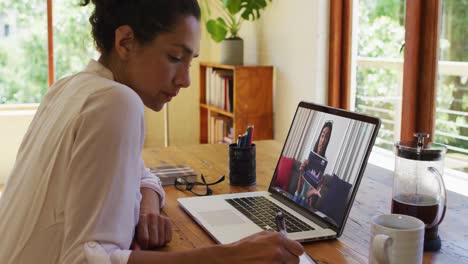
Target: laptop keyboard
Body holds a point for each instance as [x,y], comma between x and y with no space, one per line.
[263,211]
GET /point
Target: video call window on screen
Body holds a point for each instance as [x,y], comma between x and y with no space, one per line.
[321,160]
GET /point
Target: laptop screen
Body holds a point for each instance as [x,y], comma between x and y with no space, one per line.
[322,160]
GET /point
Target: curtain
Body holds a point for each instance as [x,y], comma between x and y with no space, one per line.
[353,150]
[296,144]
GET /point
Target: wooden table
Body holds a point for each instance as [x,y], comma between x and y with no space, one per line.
[374,197]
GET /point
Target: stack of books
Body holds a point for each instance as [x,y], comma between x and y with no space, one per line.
[168,174]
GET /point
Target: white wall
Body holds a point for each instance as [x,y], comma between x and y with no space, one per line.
[293,37]
[13,126]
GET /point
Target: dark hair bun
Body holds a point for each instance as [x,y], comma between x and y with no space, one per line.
[147,18]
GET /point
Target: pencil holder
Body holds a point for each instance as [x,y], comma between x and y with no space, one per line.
[242,168]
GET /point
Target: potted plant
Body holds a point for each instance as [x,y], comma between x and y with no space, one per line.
[225,28]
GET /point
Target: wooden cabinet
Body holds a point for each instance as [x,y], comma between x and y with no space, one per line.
[250,102]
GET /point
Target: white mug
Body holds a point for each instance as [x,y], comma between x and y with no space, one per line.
[396,238]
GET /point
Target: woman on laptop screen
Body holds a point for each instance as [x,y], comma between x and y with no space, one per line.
[313,168]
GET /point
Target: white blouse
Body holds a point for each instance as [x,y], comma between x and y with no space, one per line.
[73,195]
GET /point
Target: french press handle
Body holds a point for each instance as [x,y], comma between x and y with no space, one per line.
[443,198]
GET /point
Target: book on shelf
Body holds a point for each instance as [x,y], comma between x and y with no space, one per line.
[169,173]
[220,128]
[208,84]
[230,97]
[219,88]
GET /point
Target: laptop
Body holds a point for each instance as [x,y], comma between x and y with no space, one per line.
[309,216]
[315,168]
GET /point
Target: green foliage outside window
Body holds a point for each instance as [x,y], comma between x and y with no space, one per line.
[452,91]
[381,35]
[23,54]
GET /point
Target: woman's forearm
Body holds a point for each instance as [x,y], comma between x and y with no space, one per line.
[149,201]
[209,255]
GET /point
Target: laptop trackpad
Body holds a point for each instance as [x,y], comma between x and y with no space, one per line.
[221,217]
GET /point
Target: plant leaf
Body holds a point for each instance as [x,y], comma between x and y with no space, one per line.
[217,29]
[251,8]
[233,6]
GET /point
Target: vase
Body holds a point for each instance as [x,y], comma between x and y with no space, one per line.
[232,51]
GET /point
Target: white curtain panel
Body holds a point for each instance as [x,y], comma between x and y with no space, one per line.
[296,142]
[353,150]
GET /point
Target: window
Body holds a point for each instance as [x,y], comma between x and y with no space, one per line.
[24,48]
[452,84]
[395,72]
[377,82]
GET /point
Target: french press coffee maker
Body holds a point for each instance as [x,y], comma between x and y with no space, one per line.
[418,187]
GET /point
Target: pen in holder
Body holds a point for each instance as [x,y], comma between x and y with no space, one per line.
[242,168]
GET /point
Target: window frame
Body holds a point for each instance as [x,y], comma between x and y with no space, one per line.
[50,44]
[419,69]
[339,53]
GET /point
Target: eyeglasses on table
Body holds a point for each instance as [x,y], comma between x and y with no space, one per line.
[197,188]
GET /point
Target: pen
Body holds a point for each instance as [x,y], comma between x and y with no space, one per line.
[281,225]
[251,135]
[245,140]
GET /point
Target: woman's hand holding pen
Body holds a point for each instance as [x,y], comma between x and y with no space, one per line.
[264,247]
[281,225]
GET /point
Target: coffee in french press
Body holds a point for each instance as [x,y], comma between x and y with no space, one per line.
[418,186]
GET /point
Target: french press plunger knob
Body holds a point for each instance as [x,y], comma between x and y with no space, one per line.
[421,137]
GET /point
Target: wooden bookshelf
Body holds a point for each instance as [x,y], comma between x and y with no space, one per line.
[251,102]
[215,109]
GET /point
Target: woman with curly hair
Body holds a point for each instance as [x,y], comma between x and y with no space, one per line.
[79,192]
